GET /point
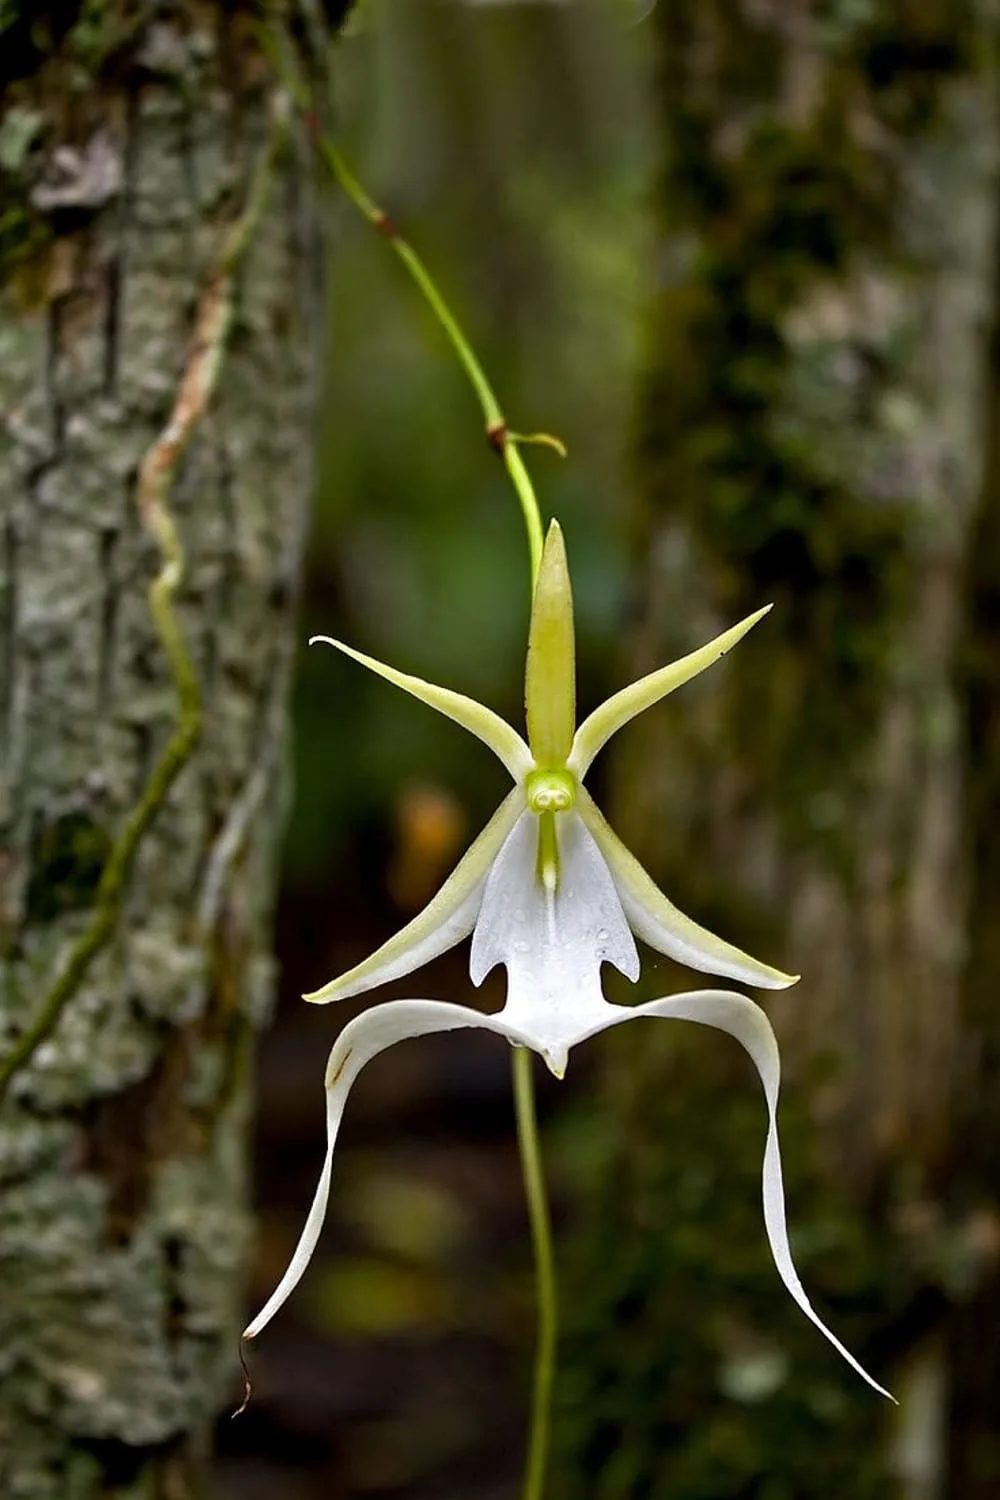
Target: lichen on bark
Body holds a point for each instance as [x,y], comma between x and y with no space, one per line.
[123,1222]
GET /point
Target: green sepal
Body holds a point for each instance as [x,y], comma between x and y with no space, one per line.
[505,742]
[659,923]
[595,731]
[550,674]
[444,921]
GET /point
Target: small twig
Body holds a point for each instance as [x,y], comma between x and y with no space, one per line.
[156,476]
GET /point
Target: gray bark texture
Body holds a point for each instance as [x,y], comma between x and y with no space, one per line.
[129,142]
[818,430]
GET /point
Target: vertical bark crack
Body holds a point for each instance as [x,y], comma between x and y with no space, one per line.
[8,625]
[108,542]
[117,264]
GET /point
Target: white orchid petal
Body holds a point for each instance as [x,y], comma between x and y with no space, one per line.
[595,731]
[448,918]
[745,1021]
[505,742]
[659,923]
[552,942]
[360,1041]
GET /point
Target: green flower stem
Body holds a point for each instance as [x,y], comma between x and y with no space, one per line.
[496,426]
[411,260]
[545,1273]
[521,480]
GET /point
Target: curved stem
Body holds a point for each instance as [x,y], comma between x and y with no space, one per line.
[521,480]
[496,424]
[545,1273]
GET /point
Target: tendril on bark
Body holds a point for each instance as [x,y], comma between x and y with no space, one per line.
[198,384]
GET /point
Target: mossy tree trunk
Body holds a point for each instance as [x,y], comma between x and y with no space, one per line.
[818,430]
[133,139]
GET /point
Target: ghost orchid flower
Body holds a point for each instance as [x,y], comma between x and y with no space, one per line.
[549,891]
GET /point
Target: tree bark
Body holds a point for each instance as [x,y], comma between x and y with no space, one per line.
[132,144]
[814,433]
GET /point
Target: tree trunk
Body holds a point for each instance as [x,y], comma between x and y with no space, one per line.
[157,262]
[813,434]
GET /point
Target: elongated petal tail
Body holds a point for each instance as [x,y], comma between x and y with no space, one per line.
[505,742]
[595,731]
[445,921]
[360,1041]
[745,1021]
[659,923]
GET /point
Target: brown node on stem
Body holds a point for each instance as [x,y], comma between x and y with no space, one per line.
[382,222]
[496,436]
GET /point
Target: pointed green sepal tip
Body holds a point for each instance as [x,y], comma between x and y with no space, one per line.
[505,742]
[658,922]
[550,675]
[618,710]
[448,918]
